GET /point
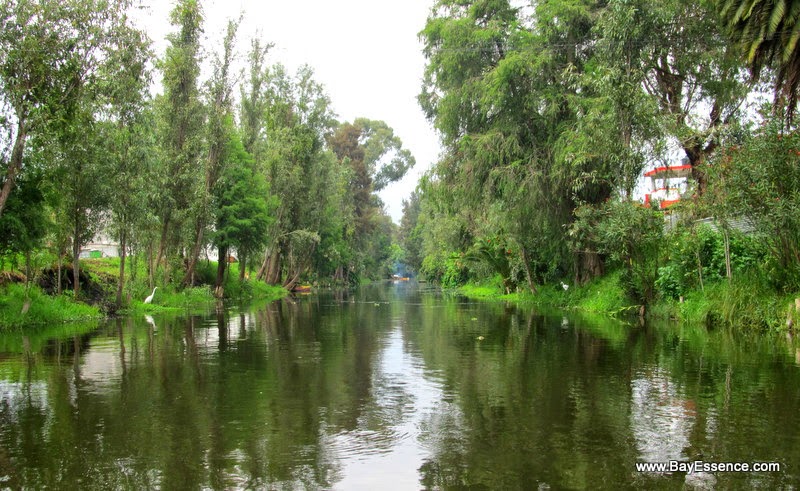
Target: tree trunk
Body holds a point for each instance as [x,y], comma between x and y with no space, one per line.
[222,262]
[122,254]
[528,275]
[590,266]
[150,265]
[162,247]
[14,164]
[242,266]
[188,279]
[292,281]
[726,241]
[262,271]
[76,263]
[696,157]
[60,267]
[273,275]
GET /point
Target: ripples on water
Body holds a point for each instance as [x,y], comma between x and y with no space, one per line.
[392,388]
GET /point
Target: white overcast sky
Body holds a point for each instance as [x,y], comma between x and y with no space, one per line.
[365,52]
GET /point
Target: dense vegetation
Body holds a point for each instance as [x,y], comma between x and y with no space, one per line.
[550,111]
[252,165]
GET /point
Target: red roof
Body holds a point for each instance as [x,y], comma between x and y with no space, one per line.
[667,171]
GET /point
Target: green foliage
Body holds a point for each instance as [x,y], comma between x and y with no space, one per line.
[759,181]
[696,256]
[630,235]
[370,157]
[607,295]
[198,298]
[746,302]
[491,288]
[493,252]
[449,271]
[24,222]
[411,232]
[244,204]
[43,309]
[247,289]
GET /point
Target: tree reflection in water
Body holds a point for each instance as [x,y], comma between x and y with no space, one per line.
[389,387]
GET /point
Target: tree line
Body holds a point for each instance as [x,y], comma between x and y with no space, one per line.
[253,163]
[549,112]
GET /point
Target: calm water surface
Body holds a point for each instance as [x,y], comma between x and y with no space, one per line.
[392,387]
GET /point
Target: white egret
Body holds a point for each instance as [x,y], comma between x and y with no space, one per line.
[150,298]
[564,286]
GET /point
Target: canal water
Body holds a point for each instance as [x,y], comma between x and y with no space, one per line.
[394,386]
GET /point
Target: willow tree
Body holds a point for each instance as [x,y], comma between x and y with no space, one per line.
[254,101]
[128,137]
[499,88]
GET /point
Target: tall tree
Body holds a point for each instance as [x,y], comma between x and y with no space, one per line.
[298,170]
[375,158]
[83,173]
[128,139]
[254,101]
[410,233]
[49,50]
[220,116]
[501,93]
[182,119]
[689,68]
[243,208]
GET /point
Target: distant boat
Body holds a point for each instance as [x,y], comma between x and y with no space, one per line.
[301,289]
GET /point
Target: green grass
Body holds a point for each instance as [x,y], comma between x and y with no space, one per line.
[168,299]
[43,309]
[602,296]
[174,297]
[746,302]
[105,272]
[489,289]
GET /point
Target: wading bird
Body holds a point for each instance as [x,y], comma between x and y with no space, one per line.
[150,298]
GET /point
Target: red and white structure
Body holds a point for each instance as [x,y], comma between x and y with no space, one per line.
[668,184]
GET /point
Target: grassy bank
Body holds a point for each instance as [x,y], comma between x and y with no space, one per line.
[103,276]
[42,308]
[745,303]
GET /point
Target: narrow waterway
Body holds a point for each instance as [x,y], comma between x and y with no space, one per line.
[393,386]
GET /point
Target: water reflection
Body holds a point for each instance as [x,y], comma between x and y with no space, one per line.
[390,387]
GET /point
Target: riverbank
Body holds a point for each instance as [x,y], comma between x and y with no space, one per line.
[743,303]
[21,307]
